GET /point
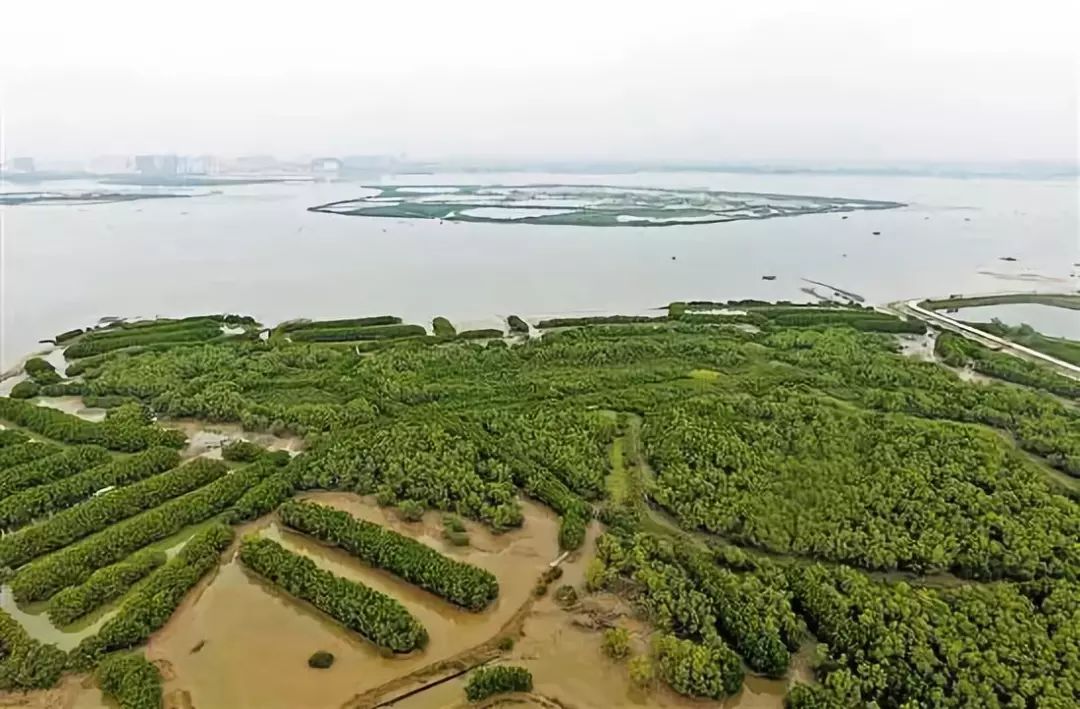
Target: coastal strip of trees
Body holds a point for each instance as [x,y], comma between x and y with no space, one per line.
[105,584]
[74,564]
[51,468]
[466,585]
[374,615]
[346,334]
[88,346]
[24,507]
[151,604]
[126,428]
[100,513]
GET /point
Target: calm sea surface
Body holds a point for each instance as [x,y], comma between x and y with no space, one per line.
[254,249]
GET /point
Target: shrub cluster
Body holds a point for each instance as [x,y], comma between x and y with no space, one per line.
[41,371]
[376,616]
[241,451]
[517,325]
[488,681]
[125,429]
[104,585]
[74,564]
[20,449]
[151,604]
[97,514]
[26,663]
[347,322]
[443,327]
[131,680]
[26,506]
[95,344]
[463,584]
[345,334]
[51,468]
[484,334]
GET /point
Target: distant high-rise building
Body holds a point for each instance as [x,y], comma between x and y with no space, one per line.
[22,164]
[157,164]
[197,165]
[326,167]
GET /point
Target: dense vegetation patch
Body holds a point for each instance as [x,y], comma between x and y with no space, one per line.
[443,327]
[766,475]
[26,663]
[102,586]
[131,680]
[376,616]
[488,681]
[75,563]
[464,584]
[51,468]
[153,602]
[957,351]
[26,506]
[344,334]
[100,513]
[1060,347]
[124,429]
[20,449]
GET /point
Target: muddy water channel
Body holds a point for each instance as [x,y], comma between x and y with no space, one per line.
[239,642]
[72,405]
[561,647]
[35,619]
[205,439]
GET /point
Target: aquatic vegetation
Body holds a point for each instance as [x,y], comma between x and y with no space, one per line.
[51,468]
[24,507]
[466,585]
[102,586]
[443,327]
[957,351]
[131,680]
[517,325]
[41,371]
[20,449]
[26,663]
[241,452]
[488,681]
[376,616]
[100,513]
[125,429]
[74,564]
[151,604]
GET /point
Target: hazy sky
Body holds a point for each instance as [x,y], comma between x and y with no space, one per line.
[946,80]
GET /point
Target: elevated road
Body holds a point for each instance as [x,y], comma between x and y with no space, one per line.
[912,308]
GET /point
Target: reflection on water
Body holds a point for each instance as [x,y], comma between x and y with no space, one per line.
[1047,319]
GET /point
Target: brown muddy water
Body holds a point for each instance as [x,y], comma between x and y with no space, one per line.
[72,405]
[206,439]
[242,643]
[561,647]
[35,620]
